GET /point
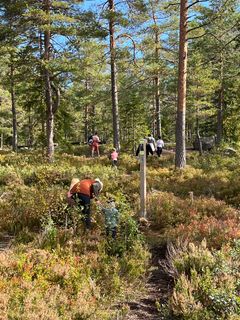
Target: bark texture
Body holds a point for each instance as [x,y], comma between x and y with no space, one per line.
[48,89]
[157,78]
[115,111]
[180,159]
[220,107]
[14,111]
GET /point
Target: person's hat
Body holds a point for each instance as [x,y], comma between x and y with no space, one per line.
[113,149]
[100,183]
[73,182]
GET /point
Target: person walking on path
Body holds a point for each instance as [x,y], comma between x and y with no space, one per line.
[151,144]
[95,144]
[111,216]
[160,145]
[89,141]
[81,193]
[114,157]
[149,149]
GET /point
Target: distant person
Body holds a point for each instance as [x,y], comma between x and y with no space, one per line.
[114,157]
[95,144]
[151,143]
[149,149]
[81,193]
[139,148]
[90,140]
[160,145]
[111,216]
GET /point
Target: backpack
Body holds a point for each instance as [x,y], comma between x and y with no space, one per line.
[150,140]
[90,142]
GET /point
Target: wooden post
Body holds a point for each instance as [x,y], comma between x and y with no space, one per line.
[1,146]
[143,189]
[191,197]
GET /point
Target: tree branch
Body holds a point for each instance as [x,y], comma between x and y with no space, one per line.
[172,4]
[193,38]
[125,35]
[56,103]
[213,19]
[197,1]
[234,38]
[198,27]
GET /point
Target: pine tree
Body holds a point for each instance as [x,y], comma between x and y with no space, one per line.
[180,160]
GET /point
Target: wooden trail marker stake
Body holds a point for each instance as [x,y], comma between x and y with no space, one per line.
[143,187]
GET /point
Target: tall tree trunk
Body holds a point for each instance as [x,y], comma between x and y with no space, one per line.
[48,89]
[93,117]
[2,139]
[14,112]
[30,131]
[86,123]
[157,77]
[180,159]
[43,114]
[43,129]
[133,135]
[157,89]
[198,132]
[220,107]
[115,111]
[153,113]
[158,108]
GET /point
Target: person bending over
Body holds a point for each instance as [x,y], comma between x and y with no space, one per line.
[81,193]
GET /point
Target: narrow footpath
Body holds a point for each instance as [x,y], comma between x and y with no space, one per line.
[5,241]
[158,288]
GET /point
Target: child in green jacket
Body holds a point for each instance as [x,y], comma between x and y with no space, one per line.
[111,215]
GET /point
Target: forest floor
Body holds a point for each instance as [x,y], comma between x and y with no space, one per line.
[157,291]
[5,241]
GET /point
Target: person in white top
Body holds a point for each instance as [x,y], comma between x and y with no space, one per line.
[160,145]
[151,143]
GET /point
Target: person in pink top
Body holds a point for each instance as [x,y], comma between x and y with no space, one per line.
[95,144]
[114,157]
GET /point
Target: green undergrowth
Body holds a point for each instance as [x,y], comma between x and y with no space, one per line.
[193,219]
[206,282]
[56,271]
[78,280]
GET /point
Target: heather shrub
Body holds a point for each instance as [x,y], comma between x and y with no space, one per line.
[58,272]
[25,206]
[217,232]
[10,176]
[216,161]
[166,210]
[193,219]
[48,175]
[65,283]
[205,176]
[43,284]
[191,179]
[206,282]
[129,162]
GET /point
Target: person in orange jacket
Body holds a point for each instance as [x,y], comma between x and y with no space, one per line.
[81,193]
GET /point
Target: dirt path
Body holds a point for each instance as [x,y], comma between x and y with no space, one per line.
[5,241]
[157,289]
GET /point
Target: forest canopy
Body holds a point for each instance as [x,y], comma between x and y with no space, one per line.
[69,68]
